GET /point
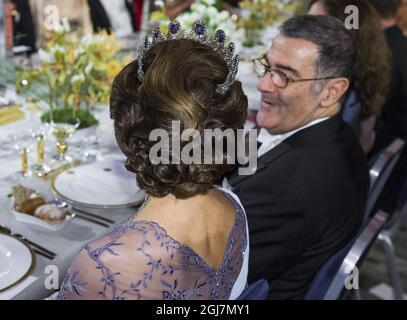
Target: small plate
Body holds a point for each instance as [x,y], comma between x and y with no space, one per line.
[16,261]
[33,220]
[102,184]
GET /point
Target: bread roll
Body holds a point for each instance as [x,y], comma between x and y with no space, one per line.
[29,206]
[50,212]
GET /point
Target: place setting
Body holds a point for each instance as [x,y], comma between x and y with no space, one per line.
[75,191]
[17,260]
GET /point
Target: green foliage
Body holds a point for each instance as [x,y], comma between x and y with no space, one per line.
[70,115]
[73,75]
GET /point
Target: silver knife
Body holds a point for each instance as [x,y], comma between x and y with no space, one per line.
[92,215]
[84,217]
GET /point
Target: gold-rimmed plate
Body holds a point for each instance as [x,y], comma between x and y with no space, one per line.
[103,184]
[16,261]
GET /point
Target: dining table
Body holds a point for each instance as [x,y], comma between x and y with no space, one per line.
[65,242]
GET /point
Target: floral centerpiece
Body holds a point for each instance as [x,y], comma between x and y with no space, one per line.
[73,75]
[256,15]
[208,12]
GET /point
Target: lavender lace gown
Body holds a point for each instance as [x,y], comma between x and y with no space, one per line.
[139,260]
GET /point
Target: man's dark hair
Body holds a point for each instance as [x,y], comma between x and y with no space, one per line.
[335,43]
[386,8]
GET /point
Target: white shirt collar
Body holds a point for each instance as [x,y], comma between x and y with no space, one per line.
[269,141]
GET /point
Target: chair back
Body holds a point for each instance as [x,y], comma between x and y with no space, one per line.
[258,290]
[330,279]
[380,172]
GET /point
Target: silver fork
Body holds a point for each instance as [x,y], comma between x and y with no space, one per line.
[84,215]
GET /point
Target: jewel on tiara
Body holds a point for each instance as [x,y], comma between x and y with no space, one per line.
[198,33]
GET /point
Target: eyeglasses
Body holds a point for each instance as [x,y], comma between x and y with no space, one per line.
[279,78]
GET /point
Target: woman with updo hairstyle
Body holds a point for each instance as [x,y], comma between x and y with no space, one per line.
[402,16]
[174,89]
[372,69]
[189,239]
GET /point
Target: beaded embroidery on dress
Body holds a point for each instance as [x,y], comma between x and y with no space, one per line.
[139,260]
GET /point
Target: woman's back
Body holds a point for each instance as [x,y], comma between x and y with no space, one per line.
[164,258]
[202,222]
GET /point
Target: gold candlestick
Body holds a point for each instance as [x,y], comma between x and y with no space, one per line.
[24,161]
[40,151]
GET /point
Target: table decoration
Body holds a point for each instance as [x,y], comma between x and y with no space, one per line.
[74,74]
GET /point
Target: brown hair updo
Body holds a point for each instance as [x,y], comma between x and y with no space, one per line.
[180,77]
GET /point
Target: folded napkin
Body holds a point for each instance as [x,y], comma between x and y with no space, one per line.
[10,114]
[15,290]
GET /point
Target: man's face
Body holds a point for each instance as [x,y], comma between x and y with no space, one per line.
[283,110]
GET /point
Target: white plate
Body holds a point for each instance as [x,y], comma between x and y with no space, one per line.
[16,261]
[102,184]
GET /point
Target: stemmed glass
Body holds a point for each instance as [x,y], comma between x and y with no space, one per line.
[40,133]
[91,149]
[23,143]
[62,132]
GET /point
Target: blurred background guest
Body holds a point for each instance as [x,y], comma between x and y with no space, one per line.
[371,73]
[100,19]
[23,26]
[116,16]
[393,121]
[231,5]
[402,16]
[30,17]
[394,117]
[174,7]
[76,11]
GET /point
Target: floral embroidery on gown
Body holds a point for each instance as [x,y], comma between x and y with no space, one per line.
[139,260]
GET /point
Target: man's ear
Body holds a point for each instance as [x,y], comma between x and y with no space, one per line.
[334,91]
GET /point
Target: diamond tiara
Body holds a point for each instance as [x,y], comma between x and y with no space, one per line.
[198,33]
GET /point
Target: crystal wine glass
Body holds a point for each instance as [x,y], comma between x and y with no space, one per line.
[62,132]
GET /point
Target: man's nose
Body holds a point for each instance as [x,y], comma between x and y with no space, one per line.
[266,84]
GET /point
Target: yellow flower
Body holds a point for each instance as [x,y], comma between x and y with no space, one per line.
[127,59]
[158,15]
[113,68]
[84,66]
